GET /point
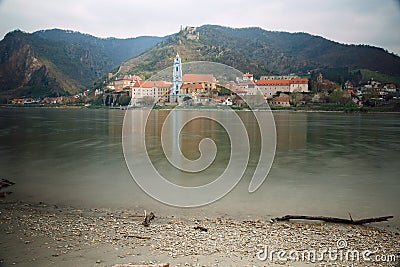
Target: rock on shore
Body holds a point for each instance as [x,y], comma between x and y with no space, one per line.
[43,235]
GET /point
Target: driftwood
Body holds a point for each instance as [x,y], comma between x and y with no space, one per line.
[4,194]
[138,236]
[5,183]
[148,218]
[201,228]
[154,265]
[332,219]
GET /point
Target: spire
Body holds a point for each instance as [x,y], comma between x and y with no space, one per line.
[177,76]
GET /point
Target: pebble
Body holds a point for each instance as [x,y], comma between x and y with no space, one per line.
[176,237]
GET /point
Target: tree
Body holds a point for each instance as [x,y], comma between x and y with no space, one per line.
[124,100]
[148,100]
[186,98]
[336,96]
[295,98]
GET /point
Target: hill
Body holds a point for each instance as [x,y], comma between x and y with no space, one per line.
[266,52]
[57,62]
[313,50]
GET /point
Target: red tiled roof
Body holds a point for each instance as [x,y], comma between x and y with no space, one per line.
[198,78]
[150,84]
[272,82]
[129,78]
[282,82]
[299,81]
[248,74]
[192,85]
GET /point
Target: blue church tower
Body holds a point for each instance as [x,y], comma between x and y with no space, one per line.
[176,79]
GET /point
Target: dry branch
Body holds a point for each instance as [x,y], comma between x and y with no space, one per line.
[201,228]
[148,218]
[5,183]
[332,219]
[154,265]
[138,236]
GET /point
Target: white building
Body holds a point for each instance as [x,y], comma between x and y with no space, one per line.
[176,80]
[270,88]
[147,90]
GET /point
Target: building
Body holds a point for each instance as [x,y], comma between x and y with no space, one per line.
[245,78]
[270,88]
[281,101]
[190,33]
[176,80]
[390,87]
[123,83]
[298,84]
[193,89]
[208,81]
[148,92]
[348,85]
[198,86]
[277,77]
[280,84]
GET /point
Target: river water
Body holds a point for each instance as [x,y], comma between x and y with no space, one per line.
[327,164]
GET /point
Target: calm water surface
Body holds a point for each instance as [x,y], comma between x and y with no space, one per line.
[326,163]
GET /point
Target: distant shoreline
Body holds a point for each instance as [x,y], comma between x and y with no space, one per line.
[291,109]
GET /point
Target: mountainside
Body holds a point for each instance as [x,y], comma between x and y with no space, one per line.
[57,62]
[115,50]
[265,52]
[315,49]
[161,56]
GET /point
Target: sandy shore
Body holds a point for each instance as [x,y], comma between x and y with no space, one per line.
[46,235]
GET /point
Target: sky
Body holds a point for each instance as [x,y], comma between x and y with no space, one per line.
[372,22]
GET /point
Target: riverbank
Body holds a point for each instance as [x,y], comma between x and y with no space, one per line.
[323,108]
[44,235]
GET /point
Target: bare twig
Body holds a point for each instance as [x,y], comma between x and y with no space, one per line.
[333,219]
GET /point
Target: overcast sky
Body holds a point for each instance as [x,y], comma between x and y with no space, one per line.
[373,22]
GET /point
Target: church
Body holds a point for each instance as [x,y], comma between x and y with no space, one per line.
[193,86]
[197,87]
[175,94]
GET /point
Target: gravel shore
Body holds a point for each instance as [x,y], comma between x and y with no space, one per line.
[46,235]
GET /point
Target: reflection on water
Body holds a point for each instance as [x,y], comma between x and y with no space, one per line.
[326,163]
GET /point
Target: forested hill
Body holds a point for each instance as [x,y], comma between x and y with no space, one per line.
[262,52]
[58,62]
[265,46]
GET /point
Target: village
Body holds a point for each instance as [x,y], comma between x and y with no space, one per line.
[197,89]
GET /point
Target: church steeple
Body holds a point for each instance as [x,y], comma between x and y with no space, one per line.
[177,76]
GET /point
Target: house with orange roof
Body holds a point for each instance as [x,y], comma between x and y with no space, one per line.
[270,88]
[281,101]
[298,84]
[193,89]
[288,84]
[208,81]
[123,83]
[390,87]
[156,90]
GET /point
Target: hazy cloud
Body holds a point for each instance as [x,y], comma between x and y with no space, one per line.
[372,22]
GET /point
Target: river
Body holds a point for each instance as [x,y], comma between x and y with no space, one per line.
[327,164]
